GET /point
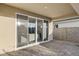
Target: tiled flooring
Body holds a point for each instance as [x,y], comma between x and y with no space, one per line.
[52,48]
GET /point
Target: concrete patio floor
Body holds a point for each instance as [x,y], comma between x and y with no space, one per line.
[52,48]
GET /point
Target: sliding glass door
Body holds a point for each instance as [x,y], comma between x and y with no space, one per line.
[31,30]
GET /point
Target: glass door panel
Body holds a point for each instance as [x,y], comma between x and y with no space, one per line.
[39,30]
[22,30]
[32,30]
[45,30]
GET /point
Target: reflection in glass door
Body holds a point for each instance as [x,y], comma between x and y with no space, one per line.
[22,30]
[32,30]
[39,30]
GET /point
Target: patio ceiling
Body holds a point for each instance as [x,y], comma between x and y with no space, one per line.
[52,10]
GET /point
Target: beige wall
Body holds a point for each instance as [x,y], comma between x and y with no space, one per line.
[7,34]
[8,27]
[50,30]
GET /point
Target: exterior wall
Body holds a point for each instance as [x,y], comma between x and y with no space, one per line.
[69,34]
[8,27]
[67,30]
[50,30]
[7,34]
